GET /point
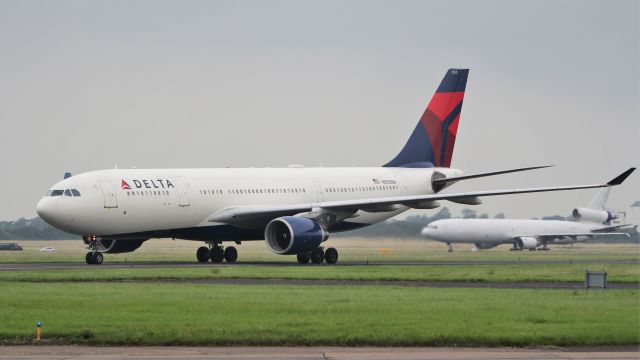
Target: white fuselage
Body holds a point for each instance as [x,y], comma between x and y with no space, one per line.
[492,232]
[165,199]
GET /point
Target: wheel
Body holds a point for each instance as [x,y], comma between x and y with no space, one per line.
[202,254]
[303,258]
[89,258]
[317,256]
[98,258]
[216,254]
[230,254]
[331,256]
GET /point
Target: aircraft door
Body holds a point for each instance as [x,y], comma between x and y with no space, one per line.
[183,193]
[109,194]
[318,190]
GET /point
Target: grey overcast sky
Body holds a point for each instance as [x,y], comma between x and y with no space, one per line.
[88,84]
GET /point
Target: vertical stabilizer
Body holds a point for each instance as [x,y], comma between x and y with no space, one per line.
[600,200]
[431,143]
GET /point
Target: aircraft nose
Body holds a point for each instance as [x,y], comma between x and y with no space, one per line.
[427,231]
[44,209]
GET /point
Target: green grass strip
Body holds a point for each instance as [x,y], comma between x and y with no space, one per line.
[617,273]
[165,314]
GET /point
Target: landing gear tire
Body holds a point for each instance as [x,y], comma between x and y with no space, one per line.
[303,258]
[98,258]
[202,254]
[89,258]
[230,254]
[216,254]
[317,256]
[331,256]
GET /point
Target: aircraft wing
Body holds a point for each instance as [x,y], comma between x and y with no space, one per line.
[559,235]
[257,216]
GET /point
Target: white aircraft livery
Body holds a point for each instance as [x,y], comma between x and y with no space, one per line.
[293,209]
[593,221]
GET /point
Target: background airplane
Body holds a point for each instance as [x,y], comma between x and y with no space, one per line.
[592,221]
[294,209]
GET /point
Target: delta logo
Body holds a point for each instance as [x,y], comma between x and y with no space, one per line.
[147,184]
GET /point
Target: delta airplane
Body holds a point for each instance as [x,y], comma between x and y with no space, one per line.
[593,221]
[293,209]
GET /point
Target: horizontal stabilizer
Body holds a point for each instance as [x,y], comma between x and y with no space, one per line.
[621,178]
[473,176]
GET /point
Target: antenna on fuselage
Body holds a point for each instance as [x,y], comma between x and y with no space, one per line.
[67,175]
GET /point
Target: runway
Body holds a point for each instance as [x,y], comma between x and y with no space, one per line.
[309,353]
[169,264]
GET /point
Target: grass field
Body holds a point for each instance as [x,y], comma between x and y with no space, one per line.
[617,273]
[315,315]
[351,249]
[97,306]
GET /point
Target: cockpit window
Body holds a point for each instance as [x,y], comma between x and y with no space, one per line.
[56,192]
[75,192]
[67,193]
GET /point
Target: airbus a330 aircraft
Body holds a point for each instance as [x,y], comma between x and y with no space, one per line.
[294,209]
[593,221]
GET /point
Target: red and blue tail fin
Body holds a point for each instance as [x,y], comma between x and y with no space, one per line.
[431,143]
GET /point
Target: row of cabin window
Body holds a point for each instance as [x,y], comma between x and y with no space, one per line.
[147,192]
[362,188]
[255,191]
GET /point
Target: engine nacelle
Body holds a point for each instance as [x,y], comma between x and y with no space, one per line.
[292,235]
[117,246]
[591,215]
[485,246]
[527,242]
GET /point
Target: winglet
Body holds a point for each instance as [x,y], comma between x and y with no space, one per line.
[621,178]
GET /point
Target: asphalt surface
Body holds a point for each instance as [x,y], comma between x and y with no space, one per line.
[169,264]
[308,353]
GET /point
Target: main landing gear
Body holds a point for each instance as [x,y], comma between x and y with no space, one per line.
[216,253]
[319,255]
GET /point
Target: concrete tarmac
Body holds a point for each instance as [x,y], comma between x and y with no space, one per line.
[308,353]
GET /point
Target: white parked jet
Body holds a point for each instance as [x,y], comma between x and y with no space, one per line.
[594,220]
[294,209]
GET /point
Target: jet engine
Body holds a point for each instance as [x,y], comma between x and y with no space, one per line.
[292,234]
[116,246]
[527,242]
[591,215]
[485,246]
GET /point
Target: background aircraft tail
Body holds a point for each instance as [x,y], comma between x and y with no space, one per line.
[600,200]
[431,143]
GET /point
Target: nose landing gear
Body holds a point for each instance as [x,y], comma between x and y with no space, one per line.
[93,257]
